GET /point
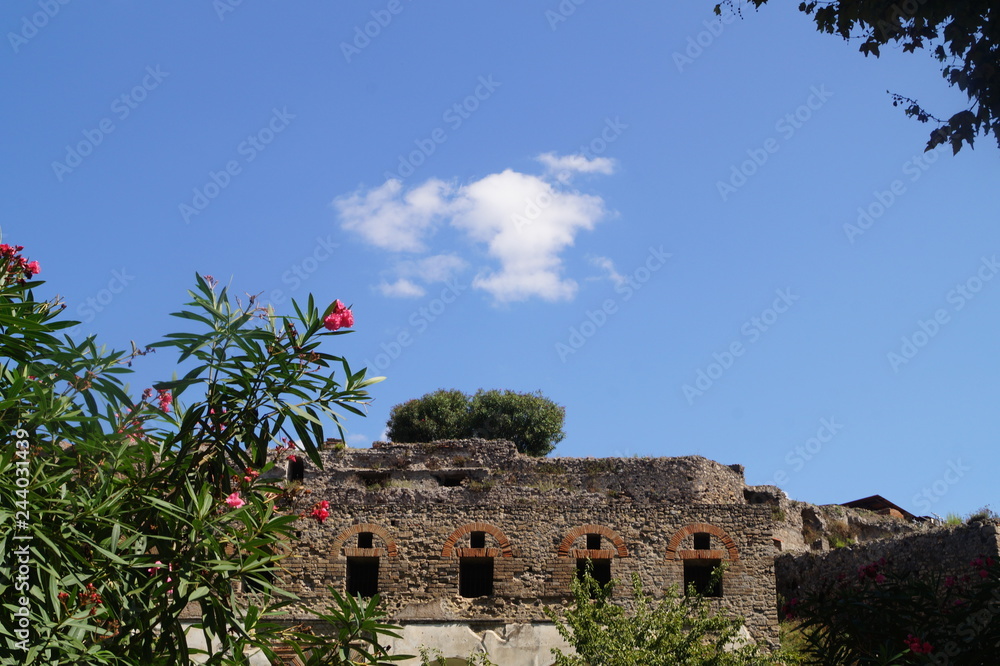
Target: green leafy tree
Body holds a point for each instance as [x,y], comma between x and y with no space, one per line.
[434,657]
[443,414]
[673,631]
[357,626]
[529,420]
[963,36]
[118,513]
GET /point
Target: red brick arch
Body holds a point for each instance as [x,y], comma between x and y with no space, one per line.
[675,541]
[495,532]
[577,532]
[377,530]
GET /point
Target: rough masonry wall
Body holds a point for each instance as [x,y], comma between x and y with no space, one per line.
[802,527]
[422,502]
[943,550]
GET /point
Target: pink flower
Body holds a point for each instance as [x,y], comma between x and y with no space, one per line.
[320,512]
[341,317]
[32,269]
[170,567]
[916,646]
[235,501]
[165,399]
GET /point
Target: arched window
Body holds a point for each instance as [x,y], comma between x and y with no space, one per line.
[600,546]
[364,571]
[476,570]
[708,547]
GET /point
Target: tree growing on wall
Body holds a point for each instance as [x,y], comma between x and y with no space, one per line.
[964,37]
[120,512]
[529,420]
[442,414]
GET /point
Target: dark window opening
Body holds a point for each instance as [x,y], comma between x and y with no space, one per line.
[296,469]
[362,576]
[374,479]
[702,541]
[593,542]
[600,570]
[699,573]
[475,577]
[478,540]
[449,481]
[365,540]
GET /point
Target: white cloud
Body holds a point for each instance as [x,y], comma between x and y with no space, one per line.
[429,270]
[565,165]
[436,268]
[524,222]
[401,288]
[393,222]
[609,267]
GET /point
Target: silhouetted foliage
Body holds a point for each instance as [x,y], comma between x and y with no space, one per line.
[963,36]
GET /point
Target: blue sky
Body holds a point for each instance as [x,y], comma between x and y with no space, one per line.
[699,236]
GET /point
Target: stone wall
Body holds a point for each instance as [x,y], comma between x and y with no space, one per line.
[941,550]
[804,527]
[420,505]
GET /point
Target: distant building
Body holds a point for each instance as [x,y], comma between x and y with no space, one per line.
[881,506]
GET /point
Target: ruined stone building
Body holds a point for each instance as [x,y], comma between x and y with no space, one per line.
[468,541]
